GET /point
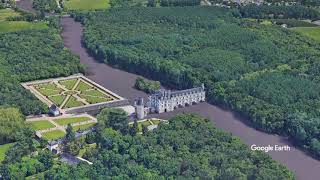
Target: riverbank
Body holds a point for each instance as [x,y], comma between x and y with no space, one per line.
[122,83]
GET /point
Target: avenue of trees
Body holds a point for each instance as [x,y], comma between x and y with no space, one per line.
[31,55]
[282,12]
[189,147]
[266,73]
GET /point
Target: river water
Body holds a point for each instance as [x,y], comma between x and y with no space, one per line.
[121,82]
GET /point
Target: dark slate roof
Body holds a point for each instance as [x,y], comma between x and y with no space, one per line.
[168,94]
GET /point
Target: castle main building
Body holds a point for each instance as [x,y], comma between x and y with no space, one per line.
[166,100]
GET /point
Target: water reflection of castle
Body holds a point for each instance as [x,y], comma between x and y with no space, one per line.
[167,100]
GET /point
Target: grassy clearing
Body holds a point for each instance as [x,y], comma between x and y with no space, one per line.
[41,125]
[66,121]
[57,100]
[83,127]
[69,84]
[86,4]
[11,26]
[73,102]
[53,135]
[312,32]
[6,13]
[3,149]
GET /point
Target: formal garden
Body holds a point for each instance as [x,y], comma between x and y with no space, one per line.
[68,93]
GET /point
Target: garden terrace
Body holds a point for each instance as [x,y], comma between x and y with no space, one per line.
[71,92]
[51,128]
[148,122]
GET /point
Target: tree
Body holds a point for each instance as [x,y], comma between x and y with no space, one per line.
[70,135]
[46,158]
[115,118]
[134,129]
[144,129]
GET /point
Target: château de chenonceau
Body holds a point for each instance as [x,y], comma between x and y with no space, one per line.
[166,100]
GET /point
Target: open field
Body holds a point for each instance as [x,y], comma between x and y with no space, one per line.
[83,127]
[53,135]
[3,150]
[10,26]
[86,4]
[66,121]
[312,32]
[41,125]
[6,13]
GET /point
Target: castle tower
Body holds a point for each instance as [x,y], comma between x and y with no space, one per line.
[139,105]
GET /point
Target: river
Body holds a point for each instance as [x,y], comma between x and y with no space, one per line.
[121,82]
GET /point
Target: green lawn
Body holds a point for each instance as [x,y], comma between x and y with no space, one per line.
[155,121]
[94,92]
[57,100]
[3,149]
[93,100]
[48,92]
[82,86]
[146,123]
[10,26]
[86,4]
[83,127]
[66,121]
[312,32]
[72,102]
[47,86]
[53,135]
[6,13]
[69,84]
[41,125]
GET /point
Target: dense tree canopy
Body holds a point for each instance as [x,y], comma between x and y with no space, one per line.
[266,73]
[11,122]
[189,147]
[46,5]
[31,55]
[273,11]
[147,86]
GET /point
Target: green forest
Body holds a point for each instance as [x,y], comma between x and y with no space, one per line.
[266,73]
[31,55]
[189,147]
